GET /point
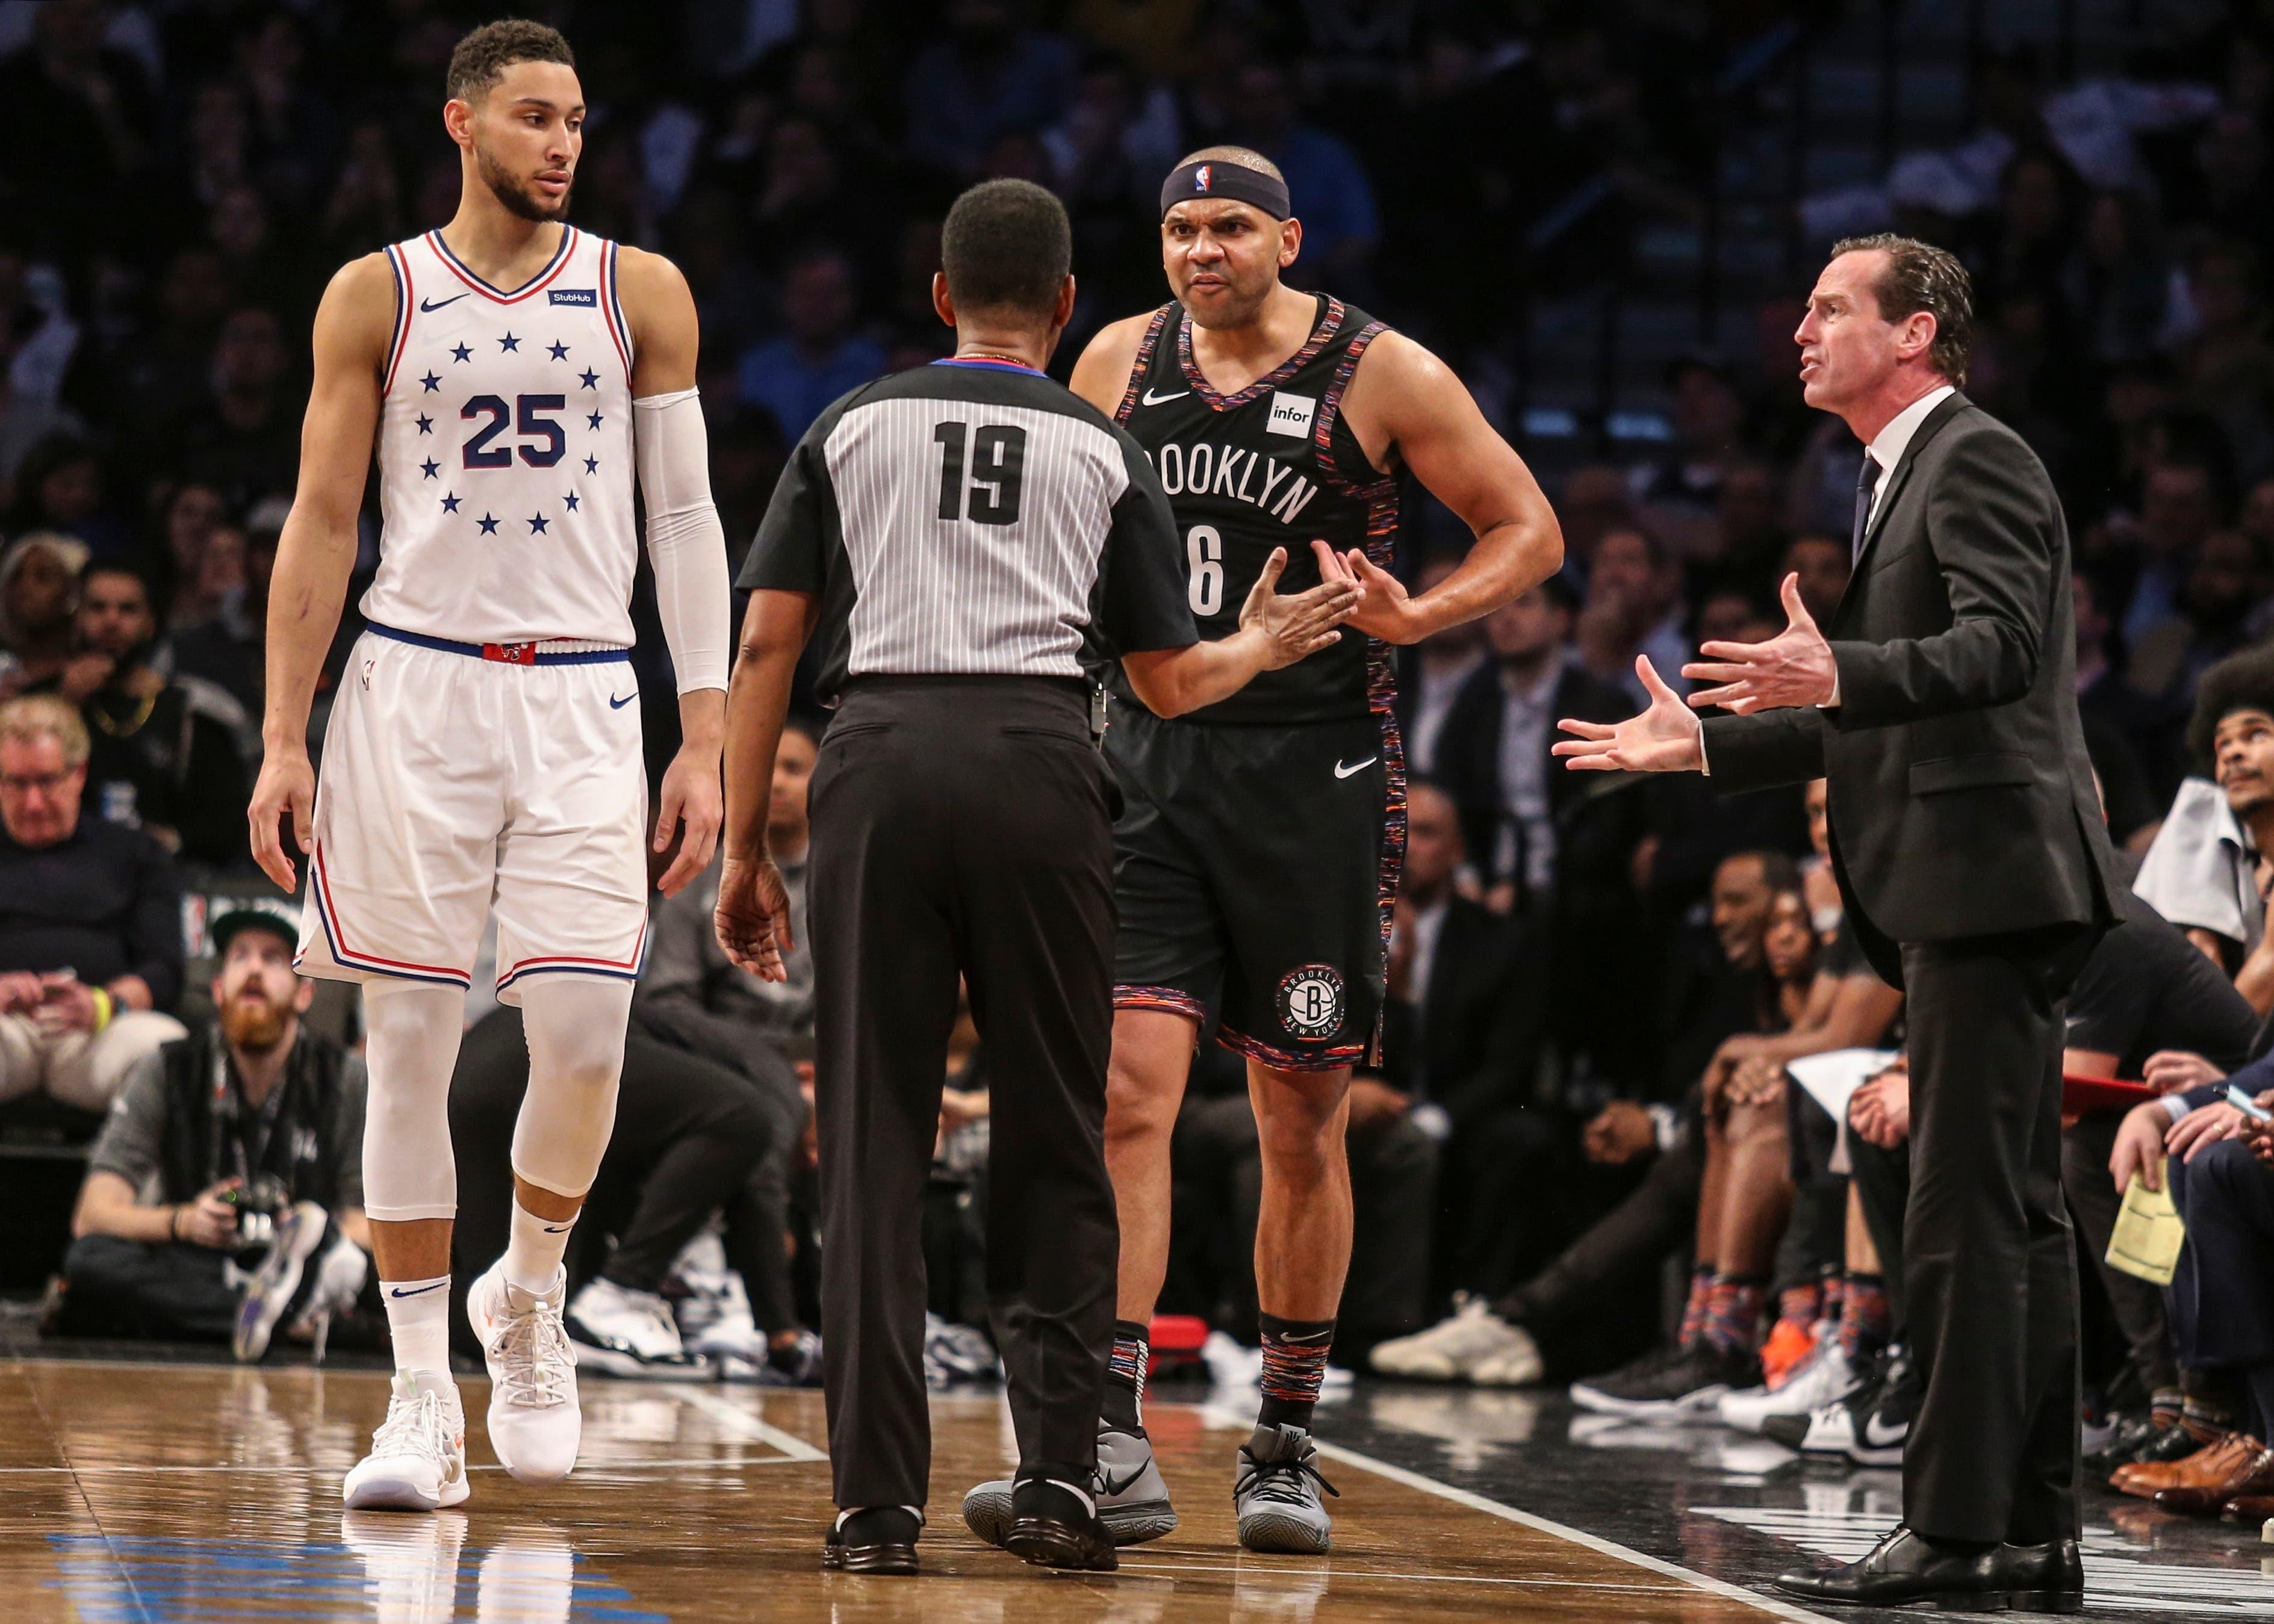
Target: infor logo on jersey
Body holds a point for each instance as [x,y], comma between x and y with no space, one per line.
[1292,414]
[1310,1001]
[585,296]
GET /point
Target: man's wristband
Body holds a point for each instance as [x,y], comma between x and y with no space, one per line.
[174,1223]
[105,1007]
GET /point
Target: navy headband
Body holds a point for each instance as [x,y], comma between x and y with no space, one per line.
[1218,179]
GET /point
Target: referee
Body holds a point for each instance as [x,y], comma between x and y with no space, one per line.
[960,537]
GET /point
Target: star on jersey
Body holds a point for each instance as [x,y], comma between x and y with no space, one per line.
[570,501]
[425,423]
[537,525]
[558,351]
[590,379]
[430,468]
[488,524]
[508,343]
[450,502]
[459,352]
[592,465]
[432,382]
[594,420]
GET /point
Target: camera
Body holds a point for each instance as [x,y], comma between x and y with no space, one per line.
[257,1204]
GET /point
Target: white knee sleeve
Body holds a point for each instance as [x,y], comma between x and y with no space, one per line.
[575,1029]
[413,1031]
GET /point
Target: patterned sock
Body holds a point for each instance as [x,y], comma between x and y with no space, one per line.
[1800,1306]
[1693,1312]
[1124,1378]
[2164,1406]
[1294,1367]
[1834,1292]
[2212,1407]
[1863,1317]
[1733,1312]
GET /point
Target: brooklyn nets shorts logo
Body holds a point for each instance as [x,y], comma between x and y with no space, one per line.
[1310,1001]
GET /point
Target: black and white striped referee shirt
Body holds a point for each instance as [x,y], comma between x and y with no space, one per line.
[972,517]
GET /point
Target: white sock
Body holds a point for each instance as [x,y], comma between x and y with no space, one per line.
[418,1323]
[535,1248]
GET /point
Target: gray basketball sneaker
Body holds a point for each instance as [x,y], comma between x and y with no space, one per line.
[1133,1500]
[1276,1492]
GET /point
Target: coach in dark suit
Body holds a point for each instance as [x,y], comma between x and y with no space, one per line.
[1940,705]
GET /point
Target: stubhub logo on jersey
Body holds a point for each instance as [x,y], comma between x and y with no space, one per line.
[587,297]
[1292,414]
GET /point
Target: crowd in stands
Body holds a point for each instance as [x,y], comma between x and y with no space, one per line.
[1605,991]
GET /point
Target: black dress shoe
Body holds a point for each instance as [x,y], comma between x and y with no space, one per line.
[2046,1578]
[877,1540]
[1907,1567]
[1051,1526]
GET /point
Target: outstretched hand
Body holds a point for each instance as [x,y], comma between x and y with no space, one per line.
[1665,738]
[1792,668]
[1300,623]
[1385,608]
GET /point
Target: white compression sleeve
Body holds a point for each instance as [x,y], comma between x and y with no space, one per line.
[685,541]
[575,1025]
[412,1030]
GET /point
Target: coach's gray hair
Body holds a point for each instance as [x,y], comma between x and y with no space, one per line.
[1919,276]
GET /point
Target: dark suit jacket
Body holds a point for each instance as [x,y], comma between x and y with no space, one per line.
[1960,794]
[1482,1015]
[1468,751]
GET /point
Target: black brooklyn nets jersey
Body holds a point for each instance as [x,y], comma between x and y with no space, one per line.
[1272,466]
[972,518]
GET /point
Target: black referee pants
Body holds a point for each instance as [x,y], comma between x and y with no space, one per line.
[962,826]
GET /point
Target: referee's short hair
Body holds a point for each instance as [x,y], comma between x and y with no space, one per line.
[1006,246]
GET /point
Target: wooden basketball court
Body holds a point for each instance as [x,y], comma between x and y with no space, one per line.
[135,1493]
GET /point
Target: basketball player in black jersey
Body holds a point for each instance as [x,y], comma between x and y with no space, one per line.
[1258,858]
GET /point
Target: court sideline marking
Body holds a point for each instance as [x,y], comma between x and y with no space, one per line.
[1239,1421]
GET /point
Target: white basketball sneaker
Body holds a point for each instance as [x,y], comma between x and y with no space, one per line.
[1825,1377]
[417,1459]
[1473,1343]
[535,1425]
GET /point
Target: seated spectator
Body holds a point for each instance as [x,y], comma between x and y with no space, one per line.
[1821,562]
[242,1141]
[227,650]
[1432,674]
[1587,1306]
[819,357]
[90,921]
[1491,756]
[2198,874]
[692,996]
[1634,607]
[39,609]
[160,759]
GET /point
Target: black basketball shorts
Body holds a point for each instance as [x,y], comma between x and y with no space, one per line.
[1254,871]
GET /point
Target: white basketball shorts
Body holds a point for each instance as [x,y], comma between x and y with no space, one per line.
[454,783]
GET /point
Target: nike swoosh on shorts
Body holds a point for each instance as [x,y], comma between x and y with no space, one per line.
[1342,771]
[617,704]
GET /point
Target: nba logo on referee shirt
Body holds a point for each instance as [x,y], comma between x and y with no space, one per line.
[1310,1001]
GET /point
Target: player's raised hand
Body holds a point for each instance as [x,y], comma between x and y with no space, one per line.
[1665,738]
[692,796]
[1300,623]
[752,919]
[1794,667]
[286,789]
[1387,612]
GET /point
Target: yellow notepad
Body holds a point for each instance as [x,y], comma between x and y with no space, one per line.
[2148,1233]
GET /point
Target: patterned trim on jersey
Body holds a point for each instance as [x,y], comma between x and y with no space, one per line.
[1323,435]
[1382,696]
[570,963]
[1147,348]
[1173,1000]
[619,329]
[319,884]
[535,285]
[1293,1060]
[400,264]
[1331,322]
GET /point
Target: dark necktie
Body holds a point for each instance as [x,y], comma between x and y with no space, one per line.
[1867,480]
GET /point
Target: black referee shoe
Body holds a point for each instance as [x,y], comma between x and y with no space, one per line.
[875,1539]
[1051,1526]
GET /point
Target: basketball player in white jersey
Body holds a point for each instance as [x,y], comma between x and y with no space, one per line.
[483,749]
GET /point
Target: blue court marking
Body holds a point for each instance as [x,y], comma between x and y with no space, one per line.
[169,1580]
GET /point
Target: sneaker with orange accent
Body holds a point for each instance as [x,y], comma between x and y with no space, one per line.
[1787,1348]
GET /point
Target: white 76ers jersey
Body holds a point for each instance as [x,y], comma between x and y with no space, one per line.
[505,451]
